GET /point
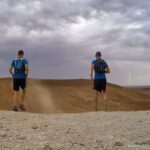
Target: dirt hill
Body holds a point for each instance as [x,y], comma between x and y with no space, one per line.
[72,96]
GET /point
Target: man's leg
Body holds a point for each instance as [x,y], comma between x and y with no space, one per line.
[104,95]
[22,107]
[23,96]
[96,101]
[101,99]
[16,95]
[105,99]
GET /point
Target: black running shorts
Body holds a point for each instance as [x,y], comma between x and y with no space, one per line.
[19,83]
[100,85]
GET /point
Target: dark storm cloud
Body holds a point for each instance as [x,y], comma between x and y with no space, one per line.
[61,37]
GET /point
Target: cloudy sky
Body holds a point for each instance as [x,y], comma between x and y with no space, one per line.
[60,37]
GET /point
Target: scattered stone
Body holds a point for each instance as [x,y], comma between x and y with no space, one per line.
[99,142]
[47,147]
[6,129]
[139,121]
[147,142]
[21,138]
[3,135]
[81,144]
[68,131]
[75,143]
[35,127]
[2,118]
[46,126]
[118,144]
[139,143]
[48,134]
[96,147]
[102,146]
[143,143]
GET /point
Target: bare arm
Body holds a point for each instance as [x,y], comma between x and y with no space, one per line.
[11,70]
[107,70]
[92,71]
[27,70]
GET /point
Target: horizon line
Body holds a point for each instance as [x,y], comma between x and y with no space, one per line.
[61,79]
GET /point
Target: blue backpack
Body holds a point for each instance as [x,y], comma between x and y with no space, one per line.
[19,65]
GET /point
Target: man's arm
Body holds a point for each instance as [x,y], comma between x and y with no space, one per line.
[107,70]
[27,70]
[11,70]
[92,71]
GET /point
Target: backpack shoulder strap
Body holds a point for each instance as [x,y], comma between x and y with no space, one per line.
[102,61]
[22,61]
[15,61]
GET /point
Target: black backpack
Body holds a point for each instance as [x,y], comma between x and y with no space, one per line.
[99,66]
[19,66]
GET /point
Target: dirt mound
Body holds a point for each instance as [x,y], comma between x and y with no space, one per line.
[72,96]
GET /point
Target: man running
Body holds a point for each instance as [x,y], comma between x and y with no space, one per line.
[100,67]
[19,70]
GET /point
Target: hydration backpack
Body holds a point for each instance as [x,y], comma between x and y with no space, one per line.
[99,66]
[19,65]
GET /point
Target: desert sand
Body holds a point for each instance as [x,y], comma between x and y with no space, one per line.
[60,116]
[73,96]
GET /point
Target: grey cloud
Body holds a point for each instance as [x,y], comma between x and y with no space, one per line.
[60,38]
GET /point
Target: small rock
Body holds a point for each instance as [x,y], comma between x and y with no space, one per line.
[75,143]
[3,135]
[81,144]
[99,142]
[143,143]
[47,147]
[139,143]
[35,127]
[21,138]
[68,131]
[118,144]
[147,142]
[102,146]
[96,147]
[6,129]
[139,121]
[2,118]
[46,126]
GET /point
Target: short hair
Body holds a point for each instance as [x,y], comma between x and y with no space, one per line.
[98,54]
[20,52]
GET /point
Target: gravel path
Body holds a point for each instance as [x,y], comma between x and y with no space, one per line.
[87,131]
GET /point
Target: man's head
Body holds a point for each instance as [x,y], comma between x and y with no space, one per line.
[98,55]
[20,53]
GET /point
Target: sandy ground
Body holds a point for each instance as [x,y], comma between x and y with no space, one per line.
[84,131]
[68,120]
[73,96]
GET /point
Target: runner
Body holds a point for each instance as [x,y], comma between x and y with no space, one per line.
[100,67]
[19,70]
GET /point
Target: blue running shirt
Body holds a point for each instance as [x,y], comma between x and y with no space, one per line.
[97,74]
[16,64]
